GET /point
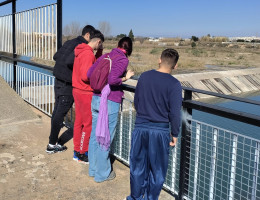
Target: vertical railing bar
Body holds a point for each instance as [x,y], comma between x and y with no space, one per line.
[52,32]
[45,93]
[29,85]
[1,28]
[233,168]
[34,89]
[1,35]
[6,36]
[39,32]
[213,164]
[130,128]
[26,33]
[196,166]
[23,82]
[256,171]
[37,97]
[49,87]
[18,33]
[40,91]
[45,33]
[31,31]
[10,34]
[121,131]
[174,167]
[49,32]
[27,82]
[42,33]
[36,33]
[56,26]
[7,29]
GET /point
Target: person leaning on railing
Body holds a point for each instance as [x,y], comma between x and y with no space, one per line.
[158,100]
[99,160]
[64,58]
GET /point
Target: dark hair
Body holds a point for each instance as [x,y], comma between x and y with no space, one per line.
[170,57]
[126,44]
[88,29]
[98,34]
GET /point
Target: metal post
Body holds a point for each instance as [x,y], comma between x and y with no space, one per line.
[185,147]
[59,23]
[197,154]
[14,43]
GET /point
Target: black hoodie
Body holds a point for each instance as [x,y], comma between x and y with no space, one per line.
[64,58]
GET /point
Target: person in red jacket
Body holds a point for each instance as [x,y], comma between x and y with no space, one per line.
[82,93]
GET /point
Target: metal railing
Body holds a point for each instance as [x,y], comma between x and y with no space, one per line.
[35,87]
[208,162]
[35,34]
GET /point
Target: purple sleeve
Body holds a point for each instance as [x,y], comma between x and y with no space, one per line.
[93,67]
[117,70]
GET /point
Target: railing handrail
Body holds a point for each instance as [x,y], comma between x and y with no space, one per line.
[10,1]
[28,62]
[223,112]
[223,96]
[213,109]
[5,2]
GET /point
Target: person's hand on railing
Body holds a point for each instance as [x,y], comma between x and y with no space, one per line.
[128,75]
[174,141]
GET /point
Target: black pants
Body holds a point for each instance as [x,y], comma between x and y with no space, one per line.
[62,105]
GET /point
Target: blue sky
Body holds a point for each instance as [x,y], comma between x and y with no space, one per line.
[170,18]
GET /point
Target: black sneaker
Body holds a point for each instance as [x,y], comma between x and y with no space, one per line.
[111,176]
[83,158]
[55,149]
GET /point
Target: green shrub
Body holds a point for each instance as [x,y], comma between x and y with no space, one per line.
[193,44]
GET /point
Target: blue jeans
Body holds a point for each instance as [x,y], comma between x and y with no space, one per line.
[99,161]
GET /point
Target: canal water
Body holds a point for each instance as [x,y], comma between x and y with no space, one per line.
[232,125]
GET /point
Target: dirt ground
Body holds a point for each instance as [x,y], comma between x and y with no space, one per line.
[27,172]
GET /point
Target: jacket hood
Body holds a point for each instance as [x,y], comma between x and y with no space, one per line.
[81,48]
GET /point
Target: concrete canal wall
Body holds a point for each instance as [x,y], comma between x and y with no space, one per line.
[223,82]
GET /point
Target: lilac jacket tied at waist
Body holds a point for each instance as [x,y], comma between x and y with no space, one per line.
[102,127]
[118,69]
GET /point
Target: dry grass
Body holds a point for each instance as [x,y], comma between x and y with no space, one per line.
[145,55]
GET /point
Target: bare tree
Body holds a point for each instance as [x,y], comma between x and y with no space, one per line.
[72,29]
[104,27]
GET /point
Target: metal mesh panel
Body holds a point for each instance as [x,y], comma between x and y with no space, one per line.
[223,164]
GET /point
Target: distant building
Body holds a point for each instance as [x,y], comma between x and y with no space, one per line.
[152,39]
[246,39]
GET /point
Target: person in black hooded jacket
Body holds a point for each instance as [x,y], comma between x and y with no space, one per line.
[63,68]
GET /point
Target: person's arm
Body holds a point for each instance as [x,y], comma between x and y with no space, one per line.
[87,60]
[175,111]
[136,97]
[117,70]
